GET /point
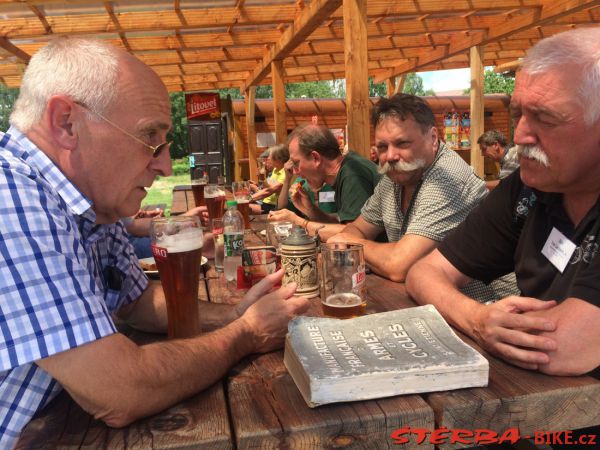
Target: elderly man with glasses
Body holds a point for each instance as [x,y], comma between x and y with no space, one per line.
[87,138]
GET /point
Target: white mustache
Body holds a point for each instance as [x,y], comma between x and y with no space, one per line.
[533,152]
[401,166]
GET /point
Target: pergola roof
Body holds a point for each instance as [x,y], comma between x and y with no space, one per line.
[203,45]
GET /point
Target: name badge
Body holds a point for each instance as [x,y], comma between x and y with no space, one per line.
[558,249]
[327,197]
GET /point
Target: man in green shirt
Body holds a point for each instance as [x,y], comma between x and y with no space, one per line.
[315,155]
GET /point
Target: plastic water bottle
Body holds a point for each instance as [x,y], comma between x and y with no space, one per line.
[233,233]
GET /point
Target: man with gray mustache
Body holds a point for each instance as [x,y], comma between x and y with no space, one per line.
[426,192]
[542,222]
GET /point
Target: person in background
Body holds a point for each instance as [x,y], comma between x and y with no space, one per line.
[315,156]
[324,198]
[426,191]
[268,195]
[542,221]
[83,147]
[493,145]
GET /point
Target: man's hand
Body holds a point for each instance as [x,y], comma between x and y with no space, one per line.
[301,200]
[502,328]
[289,169]
[285,215]
[142,214]
[344,238]
[201,212]
[263,287]
[267,317]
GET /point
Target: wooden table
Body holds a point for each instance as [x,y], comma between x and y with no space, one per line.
[257,405]
[183,199]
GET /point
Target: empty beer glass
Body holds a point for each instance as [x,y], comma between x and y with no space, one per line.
[344,290]
[177,249]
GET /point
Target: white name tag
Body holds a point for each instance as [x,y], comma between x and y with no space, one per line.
[327,197]
[558,249]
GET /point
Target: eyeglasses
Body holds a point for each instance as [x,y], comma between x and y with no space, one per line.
[156,150]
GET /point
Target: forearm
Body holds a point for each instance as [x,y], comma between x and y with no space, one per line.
[325,230]
[145,380]
[428,284]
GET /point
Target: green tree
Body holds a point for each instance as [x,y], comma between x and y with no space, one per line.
[414,85]
[7,100]
[179,134]
[496,83]
[376,90]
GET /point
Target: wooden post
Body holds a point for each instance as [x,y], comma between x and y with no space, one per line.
[238,146]
[400,80]
[357,78]
[476,58]
[390,86]
[279,101]
[250,96]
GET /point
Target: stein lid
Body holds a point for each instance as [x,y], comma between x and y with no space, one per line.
[298,237]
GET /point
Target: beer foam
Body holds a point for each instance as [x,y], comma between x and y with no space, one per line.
[185,241]
[214,194]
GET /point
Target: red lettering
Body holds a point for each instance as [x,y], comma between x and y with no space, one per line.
[511,435]
[483,437]
[439,436]
[460,436]
[591,439]
[421,434]
[539,437]
[398,436]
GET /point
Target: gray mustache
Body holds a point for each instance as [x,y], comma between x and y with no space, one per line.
[401,166]
[533,152]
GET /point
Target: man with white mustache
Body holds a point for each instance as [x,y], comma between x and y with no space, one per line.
[426,192]
[542,222]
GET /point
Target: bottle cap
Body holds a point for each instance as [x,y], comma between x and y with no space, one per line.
[231,203]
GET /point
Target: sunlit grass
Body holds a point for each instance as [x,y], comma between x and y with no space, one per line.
[162,190]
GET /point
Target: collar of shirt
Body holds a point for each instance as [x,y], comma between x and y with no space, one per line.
[27,151]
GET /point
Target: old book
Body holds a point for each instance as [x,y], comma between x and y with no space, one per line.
[397,352]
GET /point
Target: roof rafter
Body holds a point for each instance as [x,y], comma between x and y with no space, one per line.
[303,26]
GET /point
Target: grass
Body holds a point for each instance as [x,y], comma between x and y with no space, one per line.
[162,188]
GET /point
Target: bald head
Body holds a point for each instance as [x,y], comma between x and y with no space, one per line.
[86,70]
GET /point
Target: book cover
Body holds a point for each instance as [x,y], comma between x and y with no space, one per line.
[406,351]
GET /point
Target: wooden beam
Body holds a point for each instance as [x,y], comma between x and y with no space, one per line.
[279,101]
[14,50]
[477,108]
[549,10]
[508,67]
[250,100]
[303,26]
[357,76]
[238,147]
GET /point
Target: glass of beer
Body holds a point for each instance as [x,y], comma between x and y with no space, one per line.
[343,280]
[241,193]
[177,249]
[198,184]
[214,196]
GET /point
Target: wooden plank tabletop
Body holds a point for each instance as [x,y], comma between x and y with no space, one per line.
[257,405]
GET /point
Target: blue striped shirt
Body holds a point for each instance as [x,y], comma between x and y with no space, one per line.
[61,277]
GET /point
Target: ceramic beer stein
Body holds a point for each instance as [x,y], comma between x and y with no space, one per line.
[299,259]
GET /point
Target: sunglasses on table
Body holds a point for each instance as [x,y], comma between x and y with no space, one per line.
[156,150]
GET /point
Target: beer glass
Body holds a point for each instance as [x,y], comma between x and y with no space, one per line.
[177,249]
[343,284]
[218,237]
[214,196]
[241,193]
[198,184]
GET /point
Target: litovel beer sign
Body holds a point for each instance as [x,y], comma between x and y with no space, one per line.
[203,105]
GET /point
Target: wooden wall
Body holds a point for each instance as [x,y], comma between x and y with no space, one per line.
[332,113]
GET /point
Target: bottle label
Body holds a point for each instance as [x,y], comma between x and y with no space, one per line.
[234,244]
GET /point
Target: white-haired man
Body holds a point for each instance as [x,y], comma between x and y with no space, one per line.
[543,222]
[88,136]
